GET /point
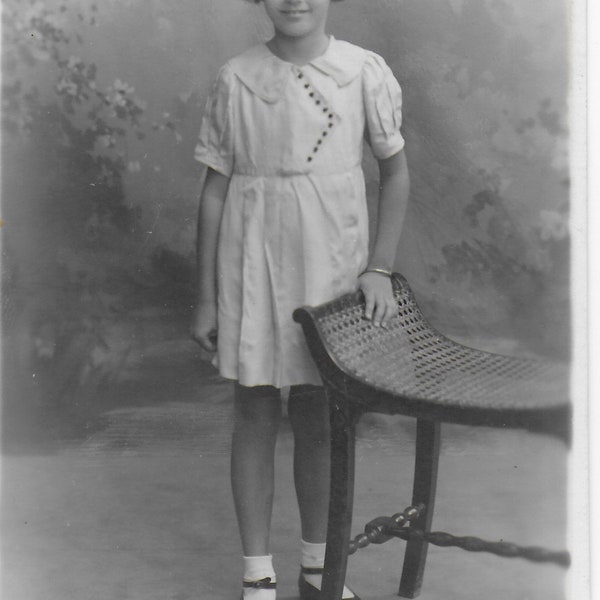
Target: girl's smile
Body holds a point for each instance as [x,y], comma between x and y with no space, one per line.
[293,14]
[294,11]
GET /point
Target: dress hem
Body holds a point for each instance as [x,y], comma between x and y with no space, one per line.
[278,385]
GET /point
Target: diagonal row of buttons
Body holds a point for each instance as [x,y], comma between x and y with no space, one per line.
[318,102]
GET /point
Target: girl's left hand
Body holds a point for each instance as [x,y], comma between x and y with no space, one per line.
[380,305]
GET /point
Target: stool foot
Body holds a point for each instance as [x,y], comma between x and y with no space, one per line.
[343,420]
[427,454]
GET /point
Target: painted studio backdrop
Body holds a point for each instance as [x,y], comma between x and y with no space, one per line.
[101,106]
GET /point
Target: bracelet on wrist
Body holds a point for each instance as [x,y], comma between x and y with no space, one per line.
[380,270]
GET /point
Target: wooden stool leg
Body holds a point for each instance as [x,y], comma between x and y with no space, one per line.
[341,496]
[426,467]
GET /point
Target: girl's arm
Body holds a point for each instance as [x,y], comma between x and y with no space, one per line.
[204,321]
[394,187]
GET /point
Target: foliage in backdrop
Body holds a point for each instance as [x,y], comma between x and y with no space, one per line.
[74,266]
[100,106]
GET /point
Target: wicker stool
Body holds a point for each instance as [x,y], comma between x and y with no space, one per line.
[411,369]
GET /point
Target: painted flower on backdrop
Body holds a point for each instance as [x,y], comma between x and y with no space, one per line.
[103,119]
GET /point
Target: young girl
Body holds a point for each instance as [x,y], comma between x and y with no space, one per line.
[283,223]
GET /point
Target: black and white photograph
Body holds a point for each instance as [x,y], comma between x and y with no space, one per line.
[294,300]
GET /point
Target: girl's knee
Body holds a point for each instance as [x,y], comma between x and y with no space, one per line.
[308,412]
[307,397]
[257,406]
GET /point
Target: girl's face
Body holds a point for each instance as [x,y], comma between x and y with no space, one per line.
[298,18]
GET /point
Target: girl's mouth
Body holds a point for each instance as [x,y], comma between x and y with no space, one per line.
[294,13]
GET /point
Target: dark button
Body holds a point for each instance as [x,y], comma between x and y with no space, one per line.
[311,94]
[300,75]
[330,125]
[309,158]
[317,102]
[330,115]
[316,149]
[306,85]
[324,134]
[319,141]
[325,109]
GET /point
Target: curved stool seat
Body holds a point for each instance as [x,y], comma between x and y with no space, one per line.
[409,368]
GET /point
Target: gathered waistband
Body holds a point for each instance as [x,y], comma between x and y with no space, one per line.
[300,173]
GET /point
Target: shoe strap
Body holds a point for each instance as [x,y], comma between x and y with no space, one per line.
[311,570]
[263,584]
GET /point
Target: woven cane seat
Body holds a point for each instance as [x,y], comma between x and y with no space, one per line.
[410,368]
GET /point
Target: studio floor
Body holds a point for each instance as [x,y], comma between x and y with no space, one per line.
[138,506]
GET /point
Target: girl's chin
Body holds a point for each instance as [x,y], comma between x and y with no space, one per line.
[295,30]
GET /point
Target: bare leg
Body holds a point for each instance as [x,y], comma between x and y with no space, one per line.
[309,418]
[257,414]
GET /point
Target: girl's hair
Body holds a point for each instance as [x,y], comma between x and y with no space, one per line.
[259,1]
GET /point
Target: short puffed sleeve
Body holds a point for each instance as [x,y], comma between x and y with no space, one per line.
[382,97]
[215,143]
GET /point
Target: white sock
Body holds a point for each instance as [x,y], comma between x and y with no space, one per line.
[313,555]
[256,568]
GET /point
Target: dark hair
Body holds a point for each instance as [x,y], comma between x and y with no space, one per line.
[259,1]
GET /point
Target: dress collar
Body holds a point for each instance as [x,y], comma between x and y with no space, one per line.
[266,75]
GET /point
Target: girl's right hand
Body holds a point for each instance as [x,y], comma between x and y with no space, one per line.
[380,305]
[203,328]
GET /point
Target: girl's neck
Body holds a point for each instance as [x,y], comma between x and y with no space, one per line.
[299,50]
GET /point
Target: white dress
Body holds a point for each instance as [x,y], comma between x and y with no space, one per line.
[294,229]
